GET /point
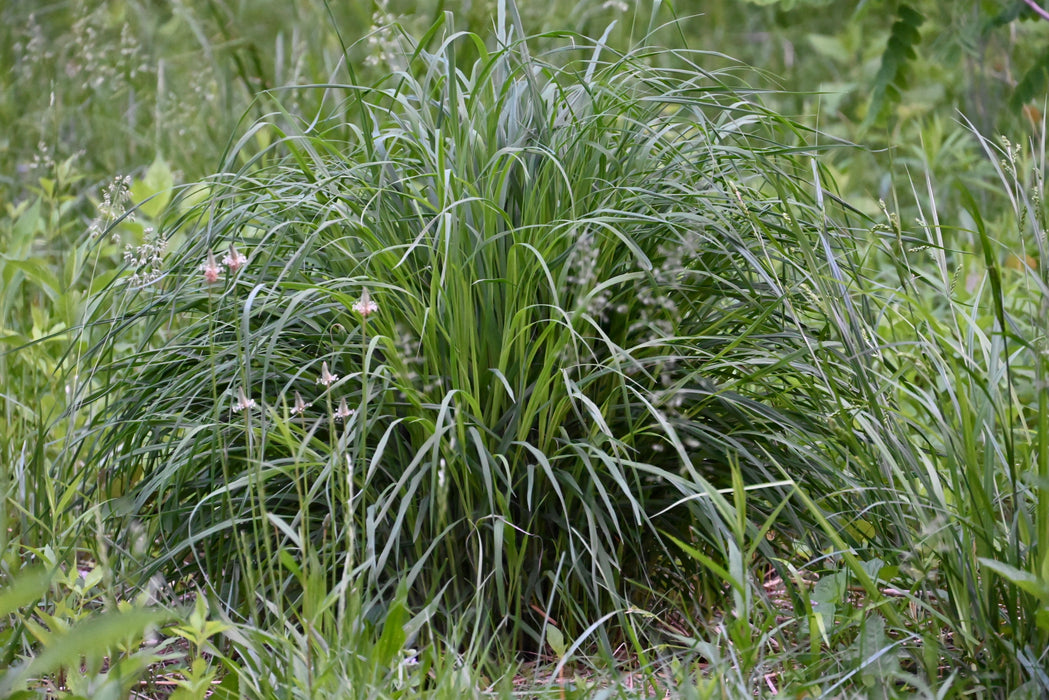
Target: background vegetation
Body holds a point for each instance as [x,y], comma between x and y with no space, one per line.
[764,411]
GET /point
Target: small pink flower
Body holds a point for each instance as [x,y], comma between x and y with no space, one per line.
[212,271]
[327,378]
[243,402]
[234,260]
[300,406]
[365,306]
[343,411]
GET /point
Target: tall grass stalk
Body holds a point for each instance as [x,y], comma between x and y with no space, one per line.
[953,433]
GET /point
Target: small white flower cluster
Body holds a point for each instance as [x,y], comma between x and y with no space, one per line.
[114,203]
[583,261]
[95,61]
[582,274]
[32,50]
[185,109]
[146,259]
[383,51]
[130,53]
[43,159]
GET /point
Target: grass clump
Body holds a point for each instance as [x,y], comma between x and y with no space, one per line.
[486,334]
[519,347]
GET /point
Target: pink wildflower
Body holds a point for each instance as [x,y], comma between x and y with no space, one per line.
[327,378]
[365,306]
[300,406]
[234,259]
[343,411]
[243,401]
[212,271]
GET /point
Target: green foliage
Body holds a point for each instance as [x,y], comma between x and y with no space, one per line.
[383,552]
[1032,86]
[79,652]
[791,4]
[591,284]
[962,370]
[892,77]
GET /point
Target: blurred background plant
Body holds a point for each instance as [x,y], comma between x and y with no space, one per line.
[113,107]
